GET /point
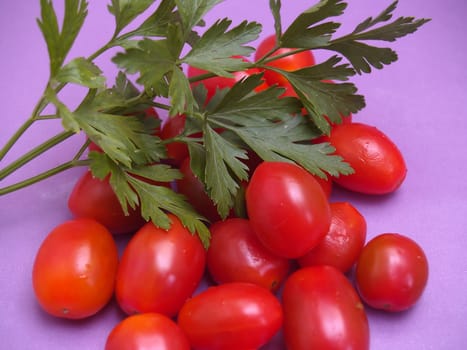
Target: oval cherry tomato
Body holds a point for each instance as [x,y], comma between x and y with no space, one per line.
[391,272]
[344,241]
[231,316]
[326,184]
[322,310]
[236,255]
[94,198]
[215,83]
[287,207]
[378,164]
[74,270]
[159,269]
[149,331]
[288,63]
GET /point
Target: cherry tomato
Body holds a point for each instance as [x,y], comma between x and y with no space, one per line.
[391,272]
[149,331]
[176,151]
[344,241]
[287,63]
[236,255]
[231,316]
[194,190]
[288,209]
[217,82]
[74,270]
[159,269]
[95,198]
[326,184]
[322,310]
[378,164]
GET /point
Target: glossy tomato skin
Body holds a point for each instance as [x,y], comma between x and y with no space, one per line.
[344,241]
[391,272]
[288,63]
[322,310]
[287,208]
[231,316]
[159,269]
[148,331]
[215,83]
[94,198]
[378,163]
[74,270]
[236,255]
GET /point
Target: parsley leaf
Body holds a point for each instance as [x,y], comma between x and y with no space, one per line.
[125,11]
[59,42]
[193,11]
[83,72]
[214,50]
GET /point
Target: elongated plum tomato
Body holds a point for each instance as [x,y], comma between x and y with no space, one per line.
[148,331]
[344,241]
[231,316]
[287,208]
[391,272]
[159,269]
[378,164]
[288,63]
[94,198]
[236,255]
[74,270]
[322,310]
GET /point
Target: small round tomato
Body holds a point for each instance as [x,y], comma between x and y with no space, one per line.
[378,164]
[231,316]
[149,331]
[391,272]
[176,151]
[217,82]
[287,208]
[288,63]
[344,241]
[159,269]
[236,255]
[322,310]
[326,184]
[74,270]
[94,198]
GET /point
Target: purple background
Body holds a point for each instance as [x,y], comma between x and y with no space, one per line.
[419,102]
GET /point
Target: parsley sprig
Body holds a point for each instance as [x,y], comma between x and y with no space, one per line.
[151,58]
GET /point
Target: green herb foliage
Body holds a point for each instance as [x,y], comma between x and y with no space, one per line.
[233,124]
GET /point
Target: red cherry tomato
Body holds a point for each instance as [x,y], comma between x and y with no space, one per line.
[344,241]
[159,269]
[287,207]
[149,331]
[74,270]
[322,310]
[391,272]
[94,198]
[215,83]
[231,316]
[287,63]
[236,255]
[378,164]
[326,185]
[176,151]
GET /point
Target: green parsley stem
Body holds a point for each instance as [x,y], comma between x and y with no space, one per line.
[42,176]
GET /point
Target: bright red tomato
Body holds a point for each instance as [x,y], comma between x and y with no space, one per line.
[215,83]
[231,316]
[149,331]
[176,151]
[322,310]
[159,269]
[236,255]
[326,184]
[74,270]
[94,198]
[288,209]
[378,164]
[288,63]
[391,272]
[344,241]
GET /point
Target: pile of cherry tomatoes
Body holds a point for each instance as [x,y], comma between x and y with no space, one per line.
[296,263]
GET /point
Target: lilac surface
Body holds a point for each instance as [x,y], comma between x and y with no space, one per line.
[419,102]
